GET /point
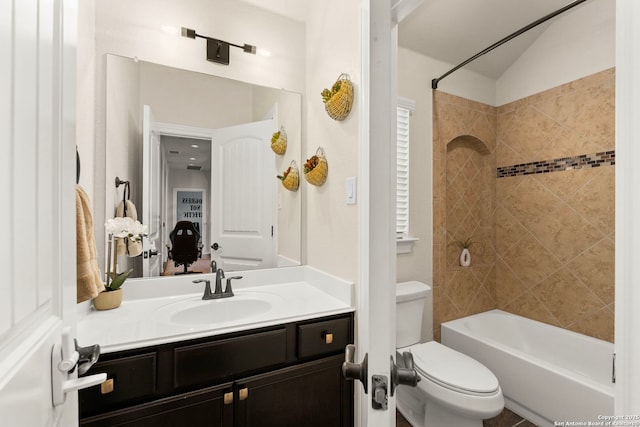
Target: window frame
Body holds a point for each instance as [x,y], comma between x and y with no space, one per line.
[404,110]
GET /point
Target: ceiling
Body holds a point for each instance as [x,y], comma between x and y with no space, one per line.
[186,153]
[454,30]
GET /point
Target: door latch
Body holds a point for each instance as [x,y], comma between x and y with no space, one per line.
[404,372]
[65,357]
[379,397]
[352,370]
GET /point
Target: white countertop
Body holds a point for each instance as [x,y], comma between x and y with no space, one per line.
[143,319]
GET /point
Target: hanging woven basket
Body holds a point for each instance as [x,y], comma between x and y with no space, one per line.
[279,141]
[339,100]
[291,177]
[316,168]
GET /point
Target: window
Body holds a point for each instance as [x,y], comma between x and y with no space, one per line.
[404,110]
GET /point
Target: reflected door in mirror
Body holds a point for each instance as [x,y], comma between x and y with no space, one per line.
[243,178]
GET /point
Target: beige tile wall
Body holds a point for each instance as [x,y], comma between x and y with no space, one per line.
[555,231]
[545,243]
[464,205]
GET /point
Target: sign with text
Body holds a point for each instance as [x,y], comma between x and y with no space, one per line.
[189,207]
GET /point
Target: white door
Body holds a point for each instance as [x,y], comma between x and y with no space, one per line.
[377,272]
[243,188]
[151,187]
[37,130]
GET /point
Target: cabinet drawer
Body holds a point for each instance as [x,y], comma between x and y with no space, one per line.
[129,379]
[212,362]
[319,338]
[201,408]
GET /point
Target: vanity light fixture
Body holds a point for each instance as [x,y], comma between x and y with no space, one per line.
[217,50]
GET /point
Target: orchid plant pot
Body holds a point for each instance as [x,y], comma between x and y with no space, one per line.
[108,300]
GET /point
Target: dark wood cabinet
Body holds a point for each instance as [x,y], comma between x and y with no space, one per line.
[285,375]
[312,394]
[205,407]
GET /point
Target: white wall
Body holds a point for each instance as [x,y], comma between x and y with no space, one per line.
[122,107]
[333,47]
[464,83]
[577,44]
[194,99]
[85,92]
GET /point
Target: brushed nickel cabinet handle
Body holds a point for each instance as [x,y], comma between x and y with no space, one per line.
[228,398]
[328,338]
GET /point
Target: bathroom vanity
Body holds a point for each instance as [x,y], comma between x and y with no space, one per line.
[279,367]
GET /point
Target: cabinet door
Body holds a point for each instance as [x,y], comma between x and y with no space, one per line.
[211,407]
[312,394]
[130,380]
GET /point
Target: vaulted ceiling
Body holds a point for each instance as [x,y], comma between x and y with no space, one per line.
[454,30]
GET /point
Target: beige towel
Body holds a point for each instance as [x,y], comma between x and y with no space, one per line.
[129,248]
[89,282]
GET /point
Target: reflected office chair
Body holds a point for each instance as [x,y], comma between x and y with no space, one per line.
[184,245]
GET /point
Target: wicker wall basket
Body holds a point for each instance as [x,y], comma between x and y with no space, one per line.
[339,100]
[316,168]
[291,178]
[279,141]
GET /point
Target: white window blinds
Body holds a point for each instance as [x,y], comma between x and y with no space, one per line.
[404,110]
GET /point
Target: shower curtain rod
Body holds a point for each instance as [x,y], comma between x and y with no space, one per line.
[434,82]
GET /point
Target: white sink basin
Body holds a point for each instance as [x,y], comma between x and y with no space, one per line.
[195,311]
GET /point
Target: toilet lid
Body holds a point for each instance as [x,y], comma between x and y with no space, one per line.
[452,369]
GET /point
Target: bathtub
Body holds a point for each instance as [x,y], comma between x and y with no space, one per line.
[547,374]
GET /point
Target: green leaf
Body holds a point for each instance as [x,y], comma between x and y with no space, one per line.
[119,280]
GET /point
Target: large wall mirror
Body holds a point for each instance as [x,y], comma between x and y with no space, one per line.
[196,147]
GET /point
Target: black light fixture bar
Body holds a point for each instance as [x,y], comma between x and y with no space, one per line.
[217,50]
[434,82]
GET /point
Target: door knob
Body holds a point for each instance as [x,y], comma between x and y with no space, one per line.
[403,373]
[65,357]
[352,370]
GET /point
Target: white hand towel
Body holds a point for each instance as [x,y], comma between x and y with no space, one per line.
[128,247]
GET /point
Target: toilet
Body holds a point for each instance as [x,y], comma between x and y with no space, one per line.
[454,389]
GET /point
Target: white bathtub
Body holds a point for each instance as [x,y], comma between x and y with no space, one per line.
[546,373]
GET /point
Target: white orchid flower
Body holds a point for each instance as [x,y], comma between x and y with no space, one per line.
[126,227]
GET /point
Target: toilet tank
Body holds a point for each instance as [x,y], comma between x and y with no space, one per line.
[411,300]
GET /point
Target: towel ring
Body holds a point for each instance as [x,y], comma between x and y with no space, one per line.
[120,182]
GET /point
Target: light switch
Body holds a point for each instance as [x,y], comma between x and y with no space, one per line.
[351,190]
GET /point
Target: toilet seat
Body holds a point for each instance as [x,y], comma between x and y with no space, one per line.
[453,370]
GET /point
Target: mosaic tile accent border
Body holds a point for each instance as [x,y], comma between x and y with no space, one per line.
[605,158]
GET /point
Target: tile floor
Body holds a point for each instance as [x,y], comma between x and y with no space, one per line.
[505,419]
